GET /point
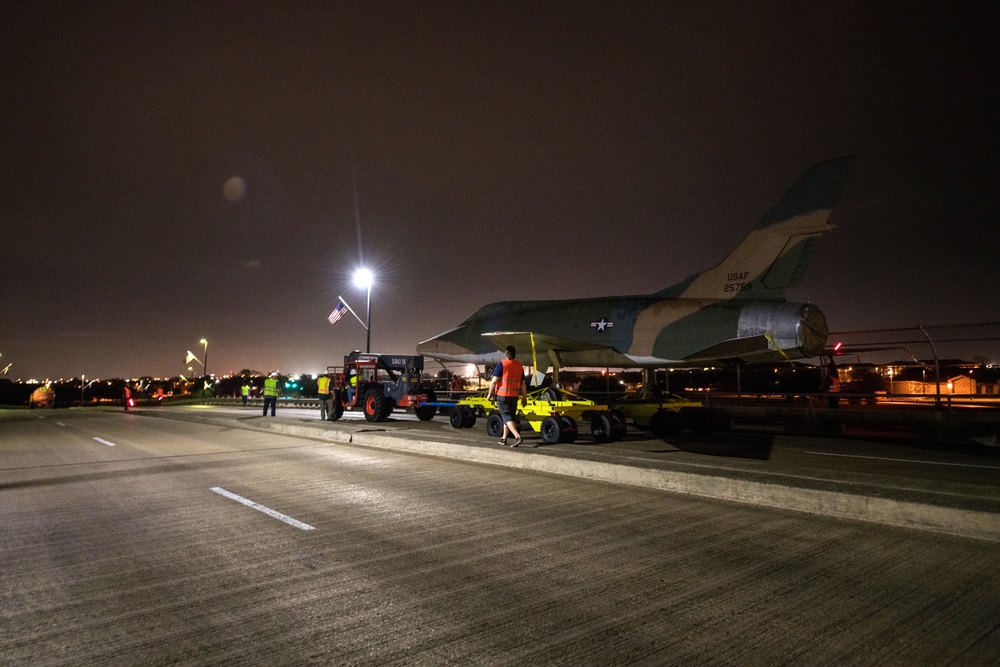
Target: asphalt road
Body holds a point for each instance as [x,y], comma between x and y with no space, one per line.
[132,540]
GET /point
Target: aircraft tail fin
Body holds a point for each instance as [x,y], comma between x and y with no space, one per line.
[774,256]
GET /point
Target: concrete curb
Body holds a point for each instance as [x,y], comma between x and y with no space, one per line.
[906,514]
[856,506]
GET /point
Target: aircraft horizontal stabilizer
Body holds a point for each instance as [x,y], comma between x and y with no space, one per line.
[743,349]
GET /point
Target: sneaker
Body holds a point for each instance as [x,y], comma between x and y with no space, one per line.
[502,441]
[517,442]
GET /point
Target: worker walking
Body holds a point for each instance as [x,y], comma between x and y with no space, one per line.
[323,392]
[245,392]
[507,385]
[270,394]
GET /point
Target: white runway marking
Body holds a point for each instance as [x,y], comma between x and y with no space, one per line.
[60,424]
[104,442]
[881,458]
[266,510]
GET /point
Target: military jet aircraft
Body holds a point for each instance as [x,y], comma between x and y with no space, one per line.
[735,312]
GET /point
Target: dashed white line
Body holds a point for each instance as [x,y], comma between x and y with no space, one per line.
[883,458]
[104,442]
[260,508]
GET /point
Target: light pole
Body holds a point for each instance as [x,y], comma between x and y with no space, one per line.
[204,364]
[363,278]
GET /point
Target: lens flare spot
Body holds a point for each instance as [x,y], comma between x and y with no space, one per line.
[234,188]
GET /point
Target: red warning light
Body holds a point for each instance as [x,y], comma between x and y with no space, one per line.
[836,348]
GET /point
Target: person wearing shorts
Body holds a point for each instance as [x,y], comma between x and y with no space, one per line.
[508,386]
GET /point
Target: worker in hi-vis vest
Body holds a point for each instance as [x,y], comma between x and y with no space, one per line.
[507,385]
[352,386]
[323,392]
[270,393]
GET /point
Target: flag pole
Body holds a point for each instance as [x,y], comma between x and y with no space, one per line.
[352,312]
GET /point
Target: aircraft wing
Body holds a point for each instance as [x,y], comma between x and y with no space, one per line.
[522,340]
[546,346]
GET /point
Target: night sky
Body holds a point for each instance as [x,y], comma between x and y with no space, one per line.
[500,150]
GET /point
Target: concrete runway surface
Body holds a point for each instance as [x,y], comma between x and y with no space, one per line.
[130,540]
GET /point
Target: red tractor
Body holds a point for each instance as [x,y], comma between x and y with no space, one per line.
[380,383]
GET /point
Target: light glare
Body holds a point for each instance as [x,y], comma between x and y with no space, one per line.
[363,278]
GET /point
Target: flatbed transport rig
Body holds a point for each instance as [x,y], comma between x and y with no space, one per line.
[377,384]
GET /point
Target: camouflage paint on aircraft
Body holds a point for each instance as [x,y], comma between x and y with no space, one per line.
[734,312]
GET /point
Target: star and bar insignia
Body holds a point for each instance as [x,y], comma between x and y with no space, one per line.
[602,324]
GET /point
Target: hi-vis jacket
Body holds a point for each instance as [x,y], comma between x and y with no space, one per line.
[510,381]
[323,386]
[271,387]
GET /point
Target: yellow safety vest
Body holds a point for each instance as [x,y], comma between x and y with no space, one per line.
[323,385]
[271,387]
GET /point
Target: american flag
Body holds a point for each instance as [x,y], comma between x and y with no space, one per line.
[337,313]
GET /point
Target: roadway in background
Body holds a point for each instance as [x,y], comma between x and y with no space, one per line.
[126,540]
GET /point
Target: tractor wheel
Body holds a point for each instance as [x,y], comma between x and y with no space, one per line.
[494,425]
[664,423]
[551,430]
[389,406]
[600,427]
[337,411]
[470,419]
[569,429]
[458,416]
[374,403]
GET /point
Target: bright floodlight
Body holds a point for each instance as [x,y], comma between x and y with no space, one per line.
[363,278]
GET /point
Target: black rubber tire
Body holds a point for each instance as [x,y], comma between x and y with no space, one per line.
[569,429]
[374,405]
[618,425]
[551,430]
[600,427]
[470,419]
[494,425]
[426,413]
[337,410]
[458,416]
[388,406]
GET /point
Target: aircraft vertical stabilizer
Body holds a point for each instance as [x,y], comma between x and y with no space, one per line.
[775,254]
